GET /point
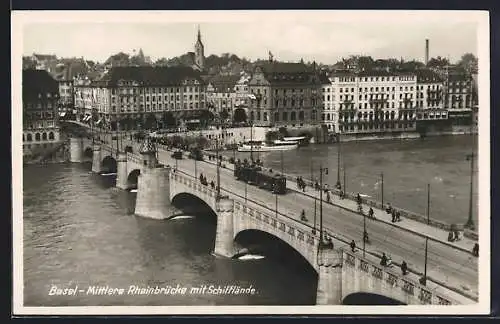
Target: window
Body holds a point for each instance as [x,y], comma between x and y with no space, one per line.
[37,137]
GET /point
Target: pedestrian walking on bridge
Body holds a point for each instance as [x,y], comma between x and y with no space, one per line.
[404,268]
[353,246]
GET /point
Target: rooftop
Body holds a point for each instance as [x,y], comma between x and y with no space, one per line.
[224,83]
[149,75]
[38,81]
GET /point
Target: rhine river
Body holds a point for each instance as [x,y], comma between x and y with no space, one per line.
[79,230]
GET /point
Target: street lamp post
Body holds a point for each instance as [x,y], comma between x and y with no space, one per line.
[321,170]
[251,141]
[364,231]
[382,188]
[315,203]
[338,164]
[218,168]
[423,280]
[428,202]
[195,166]
[345,185]
[471,157]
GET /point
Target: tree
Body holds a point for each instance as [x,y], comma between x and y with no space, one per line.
[239,116]
[169,119]
[224,115]
[468,61]
[438,62]
[150,121]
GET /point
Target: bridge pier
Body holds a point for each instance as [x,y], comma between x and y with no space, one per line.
[224,245]
[96,158]
[153,193]
[76,150]
[121,174]
[329,291]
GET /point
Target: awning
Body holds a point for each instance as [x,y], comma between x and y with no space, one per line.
[62,114]
[87,118]
[252,96]
[193,121]
[98,122]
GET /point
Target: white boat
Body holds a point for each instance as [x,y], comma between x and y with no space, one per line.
[265,147]
[294,139]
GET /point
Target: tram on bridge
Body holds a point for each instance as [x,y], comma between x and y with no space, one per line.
[264,179]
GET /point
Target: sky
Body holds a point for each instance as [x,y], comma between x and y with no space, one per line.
[324,36]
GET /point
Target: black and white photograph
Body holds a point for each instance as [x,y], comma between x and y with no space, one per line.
[251,162]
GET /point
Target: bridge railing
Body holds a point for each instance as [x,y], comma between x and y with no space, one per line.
[300,227]
[377,204]
[409,286]
[134,158]
[260,212]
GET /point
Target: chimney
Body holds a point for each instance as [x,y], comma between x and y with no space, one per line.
[426,51]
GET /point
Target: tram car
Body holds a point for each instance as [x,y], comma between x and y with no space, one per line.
[264,179]
[177,155]
[196,154]
[274,182]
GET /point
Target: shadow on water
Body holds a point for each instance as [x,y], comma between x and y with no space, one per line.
[282,265]
[369,299]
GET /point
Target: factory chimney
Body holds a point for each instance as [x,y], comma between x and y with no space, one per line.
[426,51]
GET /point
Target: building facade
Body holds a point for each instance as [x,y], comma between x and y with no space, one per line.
[221,96]
[375,101]
[429,104]
[129,98]
[329,116]
[458,96]
[40,105]
[284,94]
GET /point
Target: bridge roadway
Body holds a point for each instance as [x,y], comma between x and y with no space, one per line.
[455,268]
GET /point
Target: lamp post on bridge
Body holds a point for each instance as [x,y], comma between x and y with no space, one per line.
[423,279]
[338,165]
[321,170]
[218,168]
[470,157]
[382,188]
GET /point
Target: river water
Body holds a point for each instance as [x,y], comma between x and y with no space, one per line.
[408,167]
[80,231]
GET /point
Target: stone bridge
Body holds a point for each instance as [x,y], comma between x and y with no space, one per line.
[340,271]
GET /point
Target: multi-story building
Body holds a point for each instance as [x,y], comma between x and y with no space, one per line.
[458,95]
[285,94]
[242,97]
[221,95]
[429,104]
[40,101]
[44,62]
[145,96]
[375,101]
[329,116]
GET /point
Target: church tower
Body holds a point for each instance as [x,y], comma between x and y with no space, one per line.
[199,54]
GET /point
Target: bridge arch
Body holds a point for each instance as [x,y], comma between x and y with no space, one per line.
[88,152]
[132,178]
[192,204]
[263,242]
[366,298]
[109,164]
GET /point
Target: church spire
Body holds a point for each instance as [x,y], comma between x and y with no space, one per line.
[199,34]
